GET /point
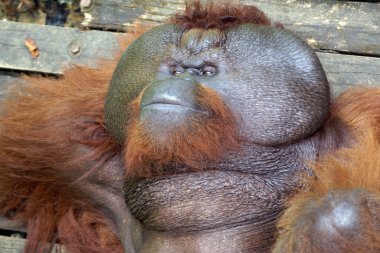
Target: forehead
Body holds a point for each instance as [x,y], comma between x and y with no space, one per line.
[244,41]
[199,40]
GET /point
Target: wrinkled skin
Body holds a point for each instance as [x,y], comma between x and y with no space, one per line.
[276,88]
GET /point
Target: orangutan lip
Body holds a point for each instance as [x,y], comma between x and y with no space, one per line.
[176,108]
[167,105]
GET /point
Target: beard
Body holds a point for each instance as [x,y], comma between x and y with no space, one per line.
[203,138]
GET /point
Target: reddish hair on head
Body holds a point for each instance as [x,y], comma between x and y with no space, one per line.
[218,15]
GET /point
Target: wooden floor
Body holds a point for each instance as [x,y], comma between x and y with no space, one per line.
[345,35]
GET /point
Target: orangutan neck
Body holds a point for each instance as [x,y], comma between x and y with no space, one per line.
[239,198]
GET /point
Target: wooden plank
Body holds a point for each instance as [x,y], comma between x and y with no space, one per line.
[11,244]
[121,14]
[8,225]
[12,236]
[345,71]
[58,47]
[333,25]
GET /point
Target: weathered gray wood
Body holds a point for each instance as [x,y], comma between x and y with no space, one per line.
[16,245]
[7,224]
[121,14]
[59,47]
[345,71]
[11,244]
[334,25]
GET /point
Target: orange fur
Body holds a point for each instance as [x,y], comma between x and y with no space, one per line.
[52,139]
[358,108]
[200,141]
[355,167]
[50,129]
[218,15]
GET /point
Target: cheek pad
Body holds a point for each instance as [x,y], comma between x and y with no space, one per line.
[136,69]
[280,90]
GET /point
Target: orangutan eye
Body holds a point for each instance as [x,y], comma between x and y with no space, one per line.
[176,70]
[208,70]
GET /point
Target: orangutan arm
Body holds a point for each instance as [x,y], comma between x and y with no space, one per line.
[54,148]
[341,210]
